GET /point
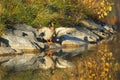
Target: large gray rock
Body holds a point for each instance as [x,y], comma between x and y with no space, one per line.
[77,34]
[101,34]
[105,29]
[63,30]
[6,50]
[23,37]
[27,34]
[85,35]
[109,28]
[30,36]
[23,27]
[17,42]
[76,39]
[25,30]
[91,25]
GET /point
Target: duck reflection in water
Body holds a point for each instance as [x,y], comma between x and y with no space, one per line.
[50,53]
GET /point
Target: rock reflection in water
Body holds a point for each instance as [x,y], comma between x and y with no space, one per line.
[45,60]
[98,63]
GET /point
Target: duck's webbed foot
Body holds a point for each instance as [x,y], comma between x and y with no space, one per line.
[49,42]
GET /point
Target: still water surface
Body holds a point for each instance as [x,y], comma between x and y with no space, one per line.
[101,62]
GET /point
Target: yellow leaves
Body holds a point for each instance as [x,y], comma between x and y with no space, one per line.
[81,78]
[103,59]
[110,54]
[105,13]
[98,13]
[93,75]
[90,64]
[117,66]
[89,77]
[103,7]
[110,8]
[103,74]
[102,4]
[106,69]
[107,64]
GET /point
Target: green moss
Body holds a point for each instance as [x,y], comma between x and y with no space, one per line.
[2,29]
[32,12]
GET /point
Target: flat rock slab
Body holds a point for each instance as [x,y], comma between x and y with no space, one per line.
[6,50]
[72,43]
[16,42]
[52,46]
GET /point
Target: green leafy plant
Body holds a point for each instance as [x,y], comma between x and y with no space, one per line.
[63,12]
